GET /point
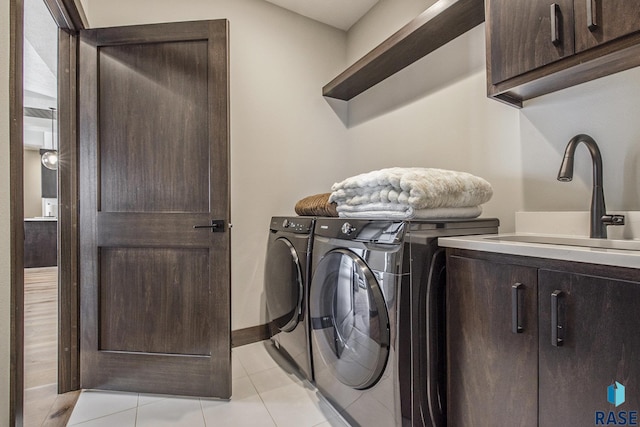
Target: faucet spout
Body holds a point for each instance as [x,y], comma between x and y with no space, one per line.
[598,214]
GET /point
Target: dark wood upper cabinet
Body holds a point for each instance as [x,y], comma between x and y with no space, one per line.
[535,47]
[528,34]
[600,21]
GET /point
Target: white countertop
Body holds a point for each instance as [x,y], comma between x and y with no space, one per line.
[42,218]
[615,257]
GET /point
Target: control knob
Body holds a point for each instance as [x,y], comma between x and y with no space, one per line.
[348,228]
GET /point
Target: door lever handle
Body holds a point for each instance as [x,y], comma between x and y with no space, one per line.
[217,226]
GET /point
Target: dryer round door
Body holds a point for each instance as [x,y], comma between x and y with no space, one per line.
[349,318]
[283,283]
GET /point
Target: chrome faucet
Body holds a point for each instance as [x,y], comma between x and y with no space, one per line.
[599,218]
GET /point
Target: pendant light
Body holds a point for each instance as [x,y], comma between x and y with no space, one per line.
[49,158]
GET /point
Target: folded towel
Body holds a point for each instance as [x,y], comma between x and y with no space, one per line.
[316,205]
[393,211]
[417,188]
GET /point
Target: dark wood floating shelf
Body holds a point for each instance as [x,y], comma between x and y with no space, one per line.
[442,22]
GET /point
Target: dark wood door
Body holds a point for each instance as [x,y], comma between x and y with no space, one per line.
[489,365]
[520,35]
[600,345]
[155,292]
[599,21]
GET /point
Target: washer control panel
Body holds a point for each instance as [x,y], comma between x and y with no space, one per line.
[371,231]
[291,224]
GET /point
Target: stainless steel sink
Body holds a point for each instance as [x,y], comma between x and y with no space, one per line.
[626,245]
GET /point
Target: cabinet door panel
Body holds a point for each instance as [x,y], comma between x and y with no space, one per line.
[599,320]
[520,37]
[490,366]
[613,19]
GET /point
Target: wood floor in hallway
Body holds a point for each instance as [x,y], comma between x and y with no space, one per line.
[42,405]
[40,326]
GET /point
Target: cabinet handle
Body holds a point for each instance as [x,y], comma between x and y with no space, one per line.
[555,24]
[516,320]
[557,330]
[592,21]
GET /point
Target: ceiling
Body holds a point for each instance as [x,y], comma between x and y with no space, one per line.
[40,50]
[350,11]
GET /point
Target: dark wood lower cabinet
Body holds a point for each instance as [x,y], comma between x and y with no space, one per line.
[40,243]
[493,372]
[543,353]
[599,324]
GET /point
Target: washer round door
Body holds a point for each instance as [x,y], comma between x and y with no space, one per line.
[349,318]
[283,283]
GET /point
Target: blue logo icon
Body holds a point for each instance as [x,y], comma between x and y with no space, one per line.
[615,394]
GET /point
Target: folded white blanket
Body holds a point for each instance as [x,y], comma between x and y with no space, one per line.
[393,211]
[417,188]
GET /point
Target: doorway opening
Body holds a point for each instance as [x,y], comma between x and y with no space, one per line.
[44,275]
[40,138]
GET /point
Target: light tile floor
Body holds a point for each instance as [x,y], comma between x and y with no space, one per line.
[264,394]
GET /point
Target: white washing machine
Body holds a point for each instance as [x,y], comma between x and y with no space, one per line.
[286,282]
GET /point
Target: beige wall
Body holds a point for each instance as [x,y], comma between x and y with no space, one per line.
[286,142]
[5,271]
[608,110]
[383,19]
[435,112]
